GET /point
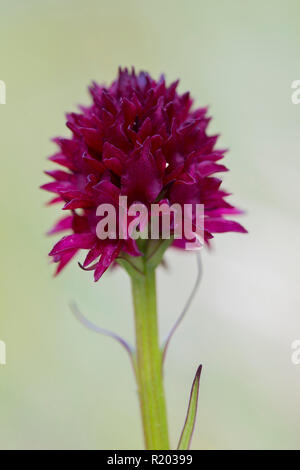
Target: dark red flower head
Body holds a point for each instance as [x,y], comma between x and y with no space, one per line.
[141,139]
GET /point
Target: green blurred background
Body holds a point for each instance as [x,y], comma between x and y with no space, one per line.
[64,387]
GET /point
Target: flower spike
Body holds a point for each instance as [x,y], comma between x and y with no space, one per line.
[141,139]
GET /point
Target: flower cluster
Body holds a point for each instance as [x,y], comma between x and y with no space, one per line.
[139,138]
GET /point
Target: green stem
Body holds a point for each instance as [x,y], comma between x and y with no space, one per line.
[149,361]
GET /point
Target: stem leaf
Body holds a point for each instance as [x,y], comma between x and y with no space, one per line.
[134,270]
[156,251]
[189,424]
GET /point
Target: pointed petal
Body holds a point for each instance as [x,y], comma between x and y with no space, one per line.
[74,241]
[61,225]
